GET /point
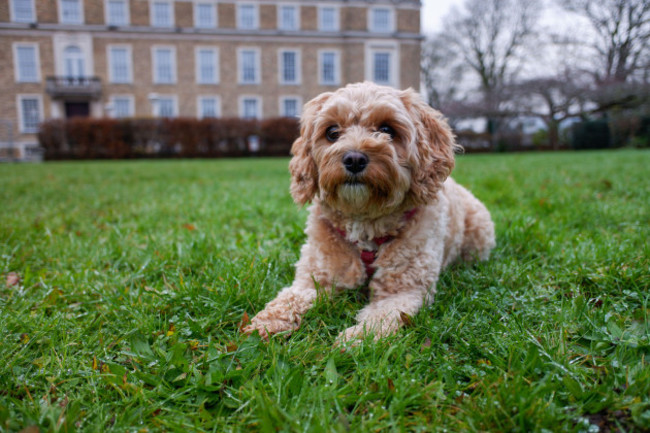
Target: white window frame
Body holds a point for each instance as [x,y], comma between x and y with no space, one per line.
[391,19]
[156,78]
[37,56]
[337,18]
[152,14]
[296,8]
[131,100]
[298,74]
[199,106]
[260,108]
[109,56]
[240,65]
[155,109]
[81,13]
[197,57]
[256,16]
[107,16]
[284,98]
[337,67]
[19,106]
[394,66]
[12,12]
[215,16]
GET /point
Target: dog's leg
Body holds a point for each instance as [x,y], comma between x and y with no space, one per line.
[385,316]
[285,312]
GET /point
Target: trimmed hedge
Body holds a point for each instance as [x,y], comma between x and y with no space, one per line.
[90,138]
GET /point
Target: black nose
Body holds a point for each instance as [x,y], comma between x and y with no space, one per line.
[355,162]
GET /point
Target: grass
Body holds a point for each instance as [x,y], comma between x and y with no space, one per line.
[134,277]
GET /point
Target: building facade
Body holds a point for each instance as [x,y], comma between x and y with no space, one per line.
[193,58]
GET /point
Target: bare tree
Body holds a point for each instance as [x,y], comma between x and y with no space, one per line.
[493,36]
[622,37]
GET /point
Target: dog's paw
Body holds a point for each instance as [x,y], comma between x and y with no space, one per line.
[268,326]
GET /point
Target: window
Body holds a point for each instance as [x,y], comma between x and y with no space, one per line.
[117,12]
[122,106]
[249,107]
[22,11]
[162,14]
[328,19]
[164,69]
[29,107]
[382,64]
[119,64]
[288,17]
[381,68]
[73,61]
[208,106]
[26,63]
[329,68]
[165,106]
[249,66]
[207,66]
[247,16]
[70,12]
[289,67]
[205,15]
[290,106]
[381,20]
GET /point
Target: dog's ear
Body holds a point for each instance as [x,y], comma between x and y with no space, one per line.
[435,147]
[303,169]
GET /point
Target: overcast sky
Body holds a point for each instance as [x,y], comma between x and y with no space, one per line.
[433,11]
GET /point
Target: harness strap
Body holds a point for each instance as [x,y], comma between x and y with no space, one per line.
[368,257]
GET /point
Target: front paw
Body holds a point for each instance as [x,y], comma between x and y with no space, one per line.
[267,324]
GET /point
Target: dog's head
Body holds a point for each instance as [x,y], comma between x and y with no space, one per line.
[369,150]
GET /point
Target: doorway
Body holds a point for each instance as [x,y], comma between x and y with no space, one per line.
[77,109]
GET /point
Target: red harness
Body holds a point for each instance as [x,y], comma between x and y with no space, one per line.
[368,257]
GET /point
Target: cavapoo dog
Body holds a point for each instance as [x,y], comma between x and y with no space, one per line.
[375,163]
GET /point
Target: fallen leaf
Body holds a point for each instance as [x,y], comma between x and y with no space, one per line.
[406,319]
[231,347]
[171,330]
[24,338]
[95,364]
[391,385]
[30,429]
[245,320]
[189,226]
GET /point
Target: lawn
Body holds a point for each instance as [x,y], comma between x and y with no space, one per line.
[124,285]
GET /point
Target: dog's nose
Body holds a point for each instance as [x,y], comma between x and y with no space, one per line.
[355,162]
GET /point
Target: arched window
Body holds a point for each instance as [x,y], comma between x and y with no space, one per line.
[74,62]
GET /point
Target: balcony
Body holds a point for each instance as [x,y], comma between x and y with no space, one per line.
[74,87]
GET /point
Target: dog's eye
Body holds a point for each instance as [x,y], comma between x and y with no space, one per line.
[332,133]
[385,129]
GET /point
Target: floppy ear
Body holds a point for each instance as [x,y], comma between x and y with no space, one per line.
[435,148]
[303,169]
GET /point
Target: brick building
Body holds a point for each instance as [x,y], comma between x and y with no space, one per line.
[195,58]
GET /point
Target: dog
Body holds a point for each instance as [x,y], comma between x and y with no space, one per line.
[375,162]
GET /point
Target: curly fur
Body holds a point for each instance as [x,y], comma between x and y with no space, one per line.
[405,171]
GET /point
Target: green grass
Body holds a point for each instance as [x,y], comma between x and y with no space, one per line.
[135,276]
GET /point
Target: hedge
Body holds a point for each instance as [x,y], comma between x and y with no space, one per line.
[91,138]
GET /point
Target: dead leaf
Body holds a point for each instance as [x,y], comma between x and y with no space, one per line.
[24,338]
[406,319]
[12,279]
[189,226]
[245,320]
[391,385]
[95,364]
[231,347]
[171,330]
[30,429]
[427,343]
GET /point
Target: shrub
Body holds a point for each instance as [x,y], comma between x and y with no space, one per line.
[592,134]
[89,138]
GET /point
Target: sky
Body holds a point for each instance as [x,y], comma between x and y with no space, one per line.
[433,11]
